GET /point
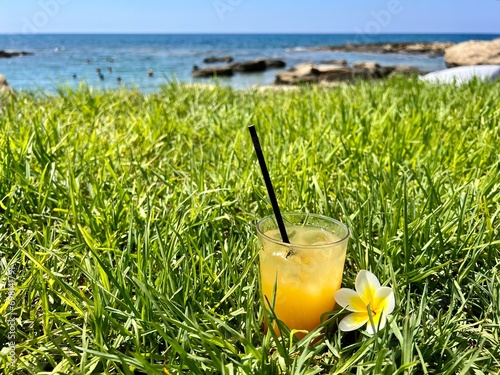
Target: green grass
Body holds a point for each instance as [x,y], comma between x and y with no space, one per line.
[128,221]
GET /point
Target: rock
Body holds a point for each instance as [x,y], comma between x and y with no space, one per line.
[275,63]
[298,74]
[371,69]
[300,70]
[216,59]
[258,65]
[5,54]
[251,66]
[335,62]
[218,71]
[309,73]
[4,86]
[327,69]
[473,53]
[338,74]
[433,49]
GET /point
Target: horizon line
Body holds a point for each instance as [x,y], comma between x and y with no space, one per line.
[247,33]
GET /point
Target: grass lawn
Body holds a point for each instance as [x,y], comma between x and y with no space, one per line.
[128,241]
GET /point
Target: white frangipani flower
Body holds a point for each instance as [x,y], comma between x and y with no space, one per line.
[368,298]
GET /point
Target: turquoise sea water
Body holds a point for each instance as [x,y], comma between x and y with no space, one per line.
[59,57]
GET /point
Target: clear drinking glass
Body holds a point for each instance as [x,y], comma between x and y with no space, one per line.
[299,279]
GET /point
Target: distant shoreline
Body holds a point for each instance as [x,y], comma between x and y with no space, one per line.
[413,48]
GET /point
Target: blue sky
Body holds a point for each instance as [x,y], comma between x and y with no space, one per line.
[250,16]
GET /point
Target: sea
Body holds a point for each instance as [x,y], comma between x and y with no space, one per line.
[69,60]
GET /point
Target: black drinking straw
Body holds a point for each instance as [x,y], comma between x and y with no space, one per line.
[269,185]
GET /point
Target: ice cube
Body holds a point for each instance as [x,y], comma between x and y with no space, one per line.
[312,237]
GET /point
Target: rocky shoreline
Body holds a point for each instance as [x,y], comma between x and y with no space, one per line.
[363,70]
[454,54]
[336,71]
[433,48]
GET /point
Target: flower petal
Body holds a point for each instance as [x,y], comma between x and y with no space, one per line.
[349,299]
[353,321]
[379,321]
[383,300]
[366,285]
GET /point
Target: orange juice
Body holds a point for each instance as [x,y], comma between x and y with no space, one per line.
[299,279]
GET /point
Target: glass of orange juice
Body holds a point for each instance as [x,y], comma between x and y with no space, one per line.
[299,278]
